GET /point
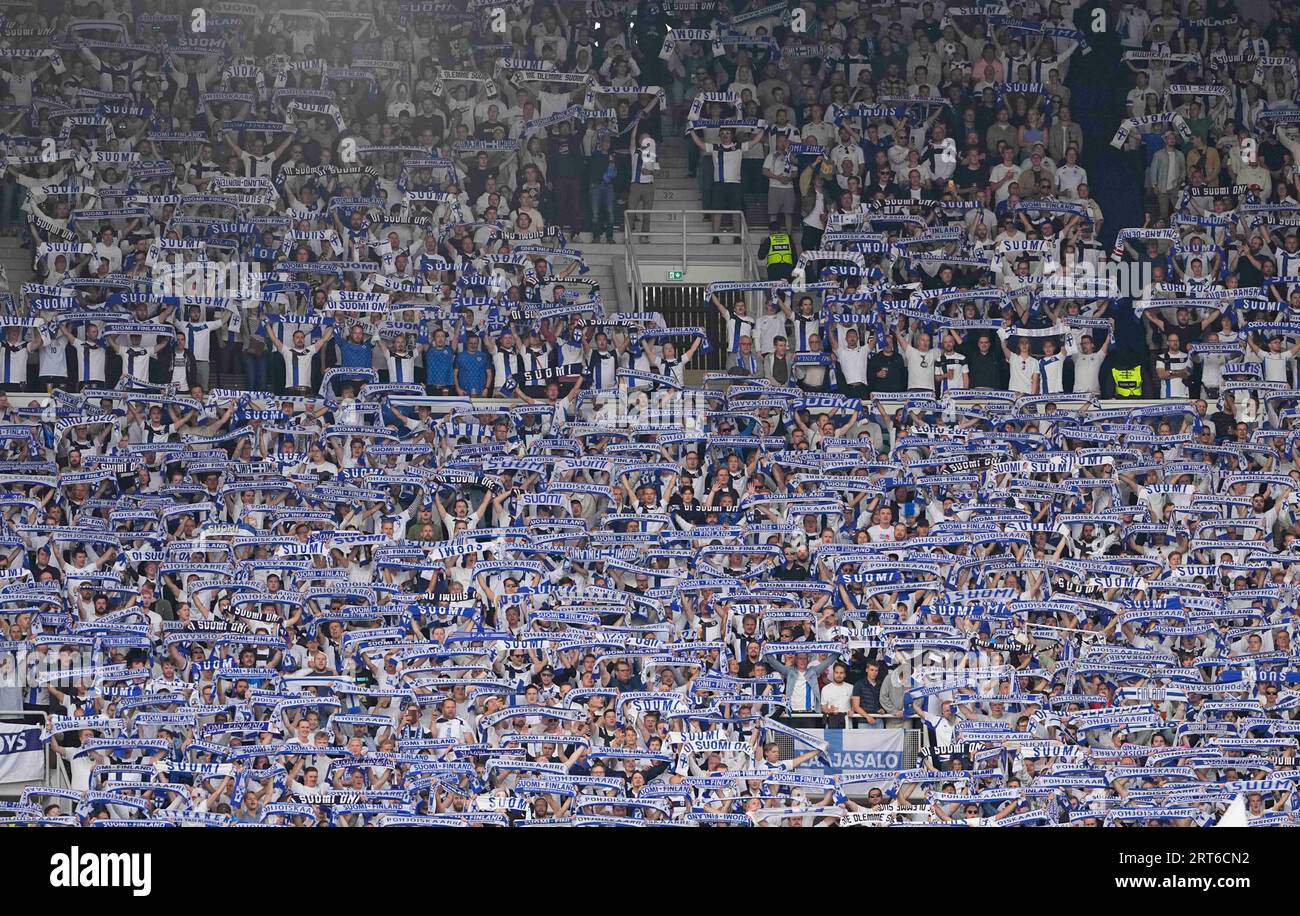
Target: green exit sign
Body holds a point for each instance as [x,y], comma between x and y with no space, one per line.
[676,275]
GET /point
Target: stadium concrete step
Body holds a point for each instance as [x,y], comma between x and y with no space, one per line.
[674,188]
[676,193]
[604,265]
[655,252]
[672,151]
[671,183]
[756,211]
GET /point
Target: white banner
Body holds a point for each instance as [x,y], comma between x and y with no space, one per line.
[22,755]
[853,750]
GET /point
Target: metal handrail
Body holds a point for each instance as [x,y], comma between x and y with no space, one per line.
[683,232]
[632,269]
[749,252]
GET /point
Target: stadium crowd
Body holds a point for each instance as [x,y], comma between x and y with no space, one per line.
[457,541]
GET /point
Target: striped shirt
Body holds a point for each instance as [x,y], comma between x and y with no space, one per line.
[135,363]
[640,174]
[14,363]
[297,366]
[726,161]
[401,367]
[1173,362]
[604,368]
[90,361]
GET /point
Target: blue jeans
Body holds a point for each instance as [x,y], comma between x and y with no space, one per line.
[254,370]
[602,209]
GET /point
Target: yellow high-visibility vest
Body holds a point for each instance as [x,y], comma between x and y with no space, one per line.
[1128,382]
[780,249]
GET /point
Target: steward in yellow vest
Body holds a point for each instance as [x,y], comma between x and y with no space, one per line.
[778,251]
[1128,382]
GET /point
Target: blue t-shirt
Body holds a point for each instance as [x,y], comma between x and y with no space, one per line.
[356,355]
[438,363]
[473,368]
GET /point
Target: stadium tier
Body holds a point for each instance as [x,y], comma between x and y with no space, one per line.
[357,468]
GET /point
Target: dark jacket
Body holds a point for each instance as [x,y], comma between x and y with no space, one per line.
[597,163]
[986,369]
[163,366]
[868,694]
[895,380]
[564,156]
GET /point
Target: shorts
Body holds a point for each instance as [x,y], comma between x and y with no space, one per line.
[780,200]
[725,195]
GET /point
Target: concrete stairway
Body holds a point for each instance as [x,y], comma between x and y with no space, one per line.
[675,189]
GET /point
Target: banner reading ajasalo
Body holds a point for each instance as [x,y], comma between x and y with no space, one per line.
[855,749]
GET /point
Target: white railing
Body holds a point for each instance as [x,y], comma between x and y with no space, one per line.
[687,227]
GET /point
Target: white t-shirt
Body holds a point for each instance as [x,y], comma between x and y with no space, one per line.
[838,696]
[770,326]
[81,767]
[1051,373]
[1068,179]
[920,368]
[1173,362]
[879,533]
[54,358]
[198,337]
[14,358]
[853,362]
[954,362]
[1087,371]
[849,151]
[90,361]
[1211,368]
[107,252]
[135,362]
[801,695]
[1275,365]
[297,366]
[401,367]
[20,84]
[997,173]
[943,729]
[1023,371]
[783,166]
